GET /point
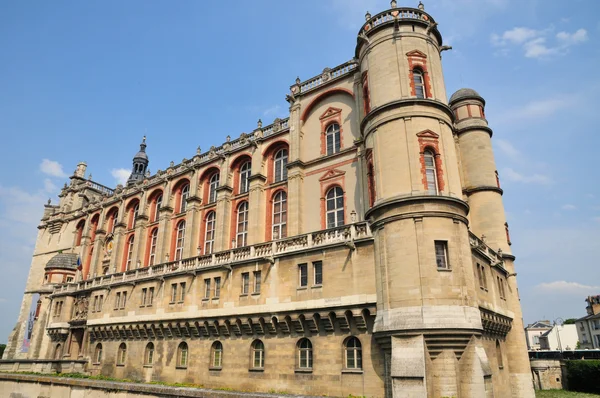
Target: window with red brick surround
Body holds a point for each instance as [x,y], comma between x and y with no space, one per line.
[112,217]
[210,181]
[155,200]
[366,93]
[371,178]
[181,190]
[128,253]
[79,232]
[330,180]
[88,259]
[269,221]
[241,168]
[150,258]
[133,208]
[275,154]
[329,119]
[507,233]
[417,61]
[429,142]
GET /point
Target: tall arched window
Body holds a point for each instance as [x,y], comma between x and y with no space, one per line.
[129,253]
[244,177]
[149,354]
[212,188]
[305,354]
[179,240]
[335,207]
[419,83]
[333,138]
[98,353]
[153,243]
[112,223]
[157,206]
[79,232]
[280,215]
[258,354]
[185,194]
[499,355]
[280,165]
[134,216]
[122,354]
[209,237]
[182,355]
[430,172]
[216,357]
[241,235]
[353,350]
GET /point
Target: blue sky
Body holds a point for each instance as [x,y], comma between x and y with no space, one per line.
[86,80]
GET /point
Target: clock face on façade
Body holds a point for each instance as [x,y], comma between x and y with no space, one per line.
[108,247]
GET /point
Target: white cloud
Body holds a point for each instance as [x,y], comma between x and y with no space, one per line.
[274,110]
[570,39]
[569,207]
[52,168]
[121,175]
[535,178]
[571,288]
[541,108]
[49,186]
[534,43]
[507,148]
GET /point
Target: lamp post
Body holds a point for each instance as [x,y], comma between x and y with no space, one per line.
[558,322]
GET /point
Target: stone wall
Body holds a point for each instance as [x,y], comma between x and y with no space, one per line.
[547,374]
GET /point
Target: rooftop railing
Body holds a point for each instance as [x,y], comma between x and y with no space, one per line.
[346,234]
[328,75]
[480,245]
[395,14]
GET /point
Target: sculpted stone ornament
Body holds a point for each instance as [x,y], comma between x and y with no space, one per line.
[80,309]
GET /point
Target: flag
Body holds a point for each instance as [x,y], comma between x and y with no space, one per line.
[78,263]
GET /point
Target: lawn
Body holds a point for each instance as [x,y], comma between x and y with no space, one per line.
[563,394]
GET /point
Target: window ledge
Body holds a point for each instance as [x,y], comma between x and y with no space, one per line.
[205,299]
[148,366]
[302,288]
[256,370]
[120,364]
[244,295]
[353,371]
[444,270]
[317,286]
[256,294]
[96,363]
[303,370]
[217,368]
[215,298]
[180,367]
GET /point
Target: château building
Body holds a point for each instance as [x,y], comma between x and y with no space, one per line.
[358,246]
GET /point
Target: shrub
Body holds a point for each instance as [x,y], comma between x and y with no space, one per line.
[583,375]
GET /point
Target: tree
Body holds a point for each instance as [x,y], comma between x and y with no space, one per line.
[570,321]
[2,347]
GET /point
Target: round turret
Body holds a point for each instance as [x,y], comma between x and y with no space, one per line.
[61,268]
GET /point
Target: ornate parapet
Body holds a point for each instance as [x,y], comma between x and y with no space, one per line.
[495,324]
[346,235]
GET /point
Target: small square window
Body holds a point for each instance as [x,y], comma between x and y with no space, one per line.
[441,254]
[303,275]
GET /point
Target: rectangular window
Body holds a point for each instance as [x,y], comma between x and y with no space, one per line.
[123,300]
[100,302]
[303,275]
[207,288]
[118,301]
[143,299]
[597,340]
[182,292]
[150,298]
[257,281]
[95,304]
[318,273]
[173,292]
[501,288]
[584,338]
[245,282]
[536,339]
[217,287]
[441,254]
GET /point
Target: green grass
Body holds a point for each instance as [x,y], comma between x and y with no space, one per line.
[563,394]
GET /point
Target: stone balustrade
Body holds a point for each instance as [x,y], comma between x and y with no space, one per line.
[327,76]
[346,234]
[394,14]
[480,245]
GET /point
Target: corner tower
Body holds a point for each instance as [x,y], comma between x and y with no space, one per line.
[428,317]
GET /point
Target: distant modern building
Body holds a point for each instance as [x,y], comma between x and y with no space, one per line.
[559,338]
[357,247]
[588,327]
[534,331]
